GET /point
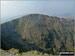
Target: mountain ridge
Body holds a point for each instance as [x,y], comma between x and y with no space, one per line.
[38,32]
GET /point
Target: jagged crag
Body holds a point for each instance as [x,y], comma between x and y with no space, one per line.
[38,32]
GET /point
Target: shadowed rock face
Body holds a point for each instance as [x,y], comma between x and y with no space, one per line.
[38,32]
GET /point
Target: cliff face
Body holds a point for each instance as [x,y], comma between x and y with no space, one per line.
[38,32]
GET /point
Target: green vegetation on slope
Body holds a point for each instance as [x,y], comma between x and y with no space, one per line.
[38,32]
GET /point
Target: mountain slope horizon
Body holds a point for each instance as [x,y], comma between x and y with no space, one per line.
[38,32]
[19,16]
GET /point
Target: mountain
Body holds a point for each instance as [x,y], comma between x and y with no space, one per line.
[38,32]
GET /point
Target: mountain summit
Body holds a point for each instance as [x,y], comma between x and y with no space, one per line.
[38,32]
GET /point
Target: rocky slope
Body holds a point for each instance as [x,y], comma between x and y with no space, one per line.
[38,32]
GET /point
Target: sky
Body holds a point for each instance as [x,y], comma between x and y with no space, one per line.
[12,9]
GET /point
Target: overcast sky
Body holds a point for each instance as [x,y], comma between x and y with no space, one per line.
[12,9]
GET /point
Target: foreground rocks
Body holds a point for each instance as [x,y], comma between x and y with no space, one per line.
[15,52]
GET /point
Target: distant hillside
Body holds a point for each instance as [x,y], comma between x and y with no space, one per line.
[38,32]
